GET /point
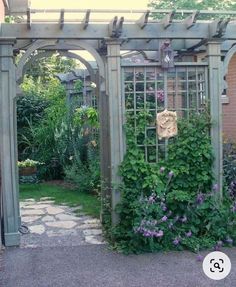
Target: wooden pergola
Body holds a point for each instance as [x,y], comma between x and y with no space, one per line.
[197,43]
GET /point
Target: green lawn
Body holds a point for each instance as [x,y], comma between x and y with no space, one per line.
[91,204]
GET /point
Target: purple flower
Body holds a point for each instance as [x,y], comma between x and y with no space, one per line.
[160,233]
[200,258]
[188,234]
[164,218]
[176,241]
[170,174]
[215,187]
[200,198]
[163,206]
[162,169]
[151,199]
[218,245]
[234,207]
[183,219]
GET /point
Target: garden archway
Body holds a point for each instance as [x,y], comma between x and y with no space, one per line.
[105,40]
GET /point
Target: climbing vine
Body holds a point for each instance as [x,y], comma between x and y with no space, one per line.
[172,204]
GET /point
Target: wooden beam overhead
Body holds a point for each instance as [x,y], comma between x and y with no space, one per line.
[191,20]
[202,30]
[218,27]
[86,19]
[112,27]
[119,27]
[62,18]
[29,21]
[167,20]
[143,20]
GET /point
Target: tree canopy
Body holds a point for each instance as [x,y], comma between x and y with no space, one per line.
[193,4]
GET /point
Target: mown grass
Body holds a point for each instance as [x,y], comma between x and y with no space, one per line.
[71,197]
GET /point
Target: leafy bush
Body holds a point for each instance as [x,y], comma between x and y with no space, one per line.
[229,162]
[173,205]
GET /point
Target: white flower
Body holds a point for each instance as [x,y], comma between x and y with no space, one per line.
[93,85]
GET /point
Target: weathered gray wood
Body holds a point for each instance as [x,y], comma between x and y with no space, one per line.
[191,20]
[71,43]
[167,20]
[218,28]
[215,91]
[143,20]
[119,27]
[112,27]
[62,18]
[20,73]
[86,19]
[116,119]
[29,22]
[100,31]
[8,144]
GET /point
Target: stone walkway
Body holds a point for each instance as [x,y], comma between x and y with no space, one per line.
[53,225]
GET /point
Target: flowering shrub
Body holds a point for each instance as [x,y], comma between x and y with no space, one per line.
[162,209]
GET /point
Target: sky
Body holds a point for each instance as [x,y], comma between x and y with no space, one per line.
[94,4]
[90,4]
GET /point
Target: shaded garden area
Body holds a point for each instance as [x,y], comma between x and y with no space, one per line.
[60,138]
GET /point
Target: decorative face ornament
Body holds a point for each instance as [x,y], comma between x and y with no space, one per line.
[166,124]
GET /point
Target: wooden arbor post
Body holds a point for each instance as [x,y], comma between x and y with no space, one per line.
[215,91]
[8,146]
[115,119]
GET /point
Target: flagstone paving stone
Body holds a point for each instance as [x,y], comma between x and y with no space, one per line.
[38,229]
[62,224]
[53,225]
[32,212]
[92,231]
[48,218]
[54,210]
[35,206]
[63,216]
[28,219]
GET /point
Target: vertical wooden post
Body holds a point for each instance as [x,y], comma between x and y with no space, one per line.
[215,91]
[115,118]
[8,144]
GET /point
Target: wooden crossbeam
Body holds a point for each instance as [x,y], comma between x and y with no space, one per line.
[167,20]
[191,20]
[29,21]
[62,18]
[86,19]
[197,45]
[119,27]
[143,20]
[116,27]
[218,27]
[112,27]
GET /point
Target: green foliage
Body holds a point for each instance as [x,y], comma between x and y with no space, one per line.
[229,162]
[190,155]
[63,137]
[45,69]
[161,207]
[193,5]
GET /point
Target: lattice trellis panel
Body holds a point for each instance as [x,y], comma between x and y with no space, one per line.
[182,89]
